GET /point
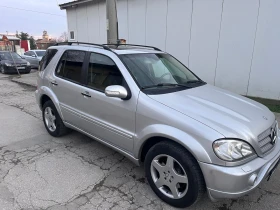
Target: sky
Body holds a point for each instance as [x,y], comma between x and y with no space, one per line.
[33,23]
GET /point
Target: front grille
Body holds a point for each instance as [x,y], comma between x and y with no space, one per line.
[21,65]
[265,139]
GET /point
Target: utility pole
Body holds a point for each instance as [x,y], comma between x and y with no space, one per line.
[112,22]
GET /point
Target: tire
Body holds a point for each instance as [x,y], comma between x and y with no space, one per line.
[52,120]
[2,70]
[191,186]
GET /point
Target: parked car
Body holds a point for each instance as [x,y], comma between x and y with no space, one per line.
[142,102]
[34,57]
[11,62]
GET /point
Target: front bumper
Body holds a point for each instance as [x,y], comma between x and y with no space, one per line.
[12,69]
[233,182]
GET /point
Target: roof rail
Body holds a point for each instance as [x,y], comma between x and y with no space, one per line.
[117,45]
[70,43]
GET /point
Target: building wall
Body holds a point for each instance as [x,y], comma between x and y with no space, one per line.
[233,44]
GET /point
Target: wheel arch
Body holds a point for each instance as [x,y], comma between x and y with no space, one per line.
[47,94]
[174,135]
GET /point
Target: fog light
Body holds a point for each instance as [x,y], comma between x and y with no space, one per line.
[253,179]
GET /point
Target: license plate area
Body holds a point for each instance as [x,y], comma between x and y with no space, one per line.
[21,67]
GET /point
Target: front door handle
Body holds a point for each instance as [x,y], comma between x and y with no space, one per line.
[86,94]
[54,83]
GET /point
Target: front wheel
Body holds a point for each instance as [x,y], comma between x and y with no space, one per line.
[2,70]
[174,174]
[52,120]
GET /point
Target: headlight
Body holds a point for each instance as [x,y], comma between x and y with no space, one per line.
[232,150]
[8,64]
[28,64]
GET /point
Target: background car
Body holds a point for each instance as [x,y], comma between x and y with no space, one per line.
[34,57]
[10,60]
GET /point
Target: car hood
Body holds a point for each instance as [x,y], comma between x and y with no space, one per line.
[231,115]
[17,61]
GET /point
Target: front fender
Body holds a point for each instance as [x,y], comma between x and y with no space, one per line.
[48,92]
[182,138]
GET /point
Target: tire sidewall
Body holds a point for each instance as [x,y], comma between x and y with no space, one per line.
[184,159]
[2,70]
[58,119]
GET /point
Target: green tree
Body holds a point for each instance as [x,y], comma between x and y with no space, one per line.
[33,45]
[23,36]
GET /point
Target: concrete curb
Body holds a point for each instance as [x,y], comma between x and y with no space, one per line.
[27,79]
[20,81]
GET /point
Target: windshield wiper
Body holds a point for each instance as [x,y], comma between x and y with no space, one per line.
[194,81]
[165,85]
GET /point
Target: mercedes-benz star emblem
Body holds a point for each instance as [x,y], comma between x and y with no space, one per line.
[273,135]
[265,118]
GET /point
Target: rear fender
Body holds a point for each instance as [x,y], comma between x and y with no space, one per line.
[48,92]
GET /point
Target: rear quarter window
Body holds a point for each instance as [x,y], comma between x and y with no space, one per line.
[50,53]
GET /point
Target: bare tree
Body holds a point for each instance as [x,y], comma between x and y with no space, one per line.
[63,37]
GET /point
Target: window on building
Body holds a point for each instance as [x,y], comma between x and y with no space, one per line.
[70,65]
[103,72]
[47,59]
[72,35]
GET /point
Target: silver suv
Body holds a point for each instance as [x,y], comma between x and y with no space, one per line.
[191,136]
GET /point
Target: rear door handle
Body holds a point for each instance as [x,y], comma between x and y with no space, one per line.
[86,94]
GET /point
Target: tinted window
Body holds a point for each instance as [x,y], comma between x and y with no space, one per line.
[31,53]
[70,65]
[47,59]
[103,72]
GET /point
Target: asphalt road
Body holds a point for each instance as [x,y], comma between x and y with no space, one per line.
[38,171]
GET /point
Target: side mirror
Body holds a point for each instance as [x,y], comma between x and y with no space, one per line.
[34,56]
[116,91]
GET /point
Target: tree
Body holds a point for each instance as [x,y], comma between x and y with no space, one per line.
[63,37]
[23,36]
[33,45]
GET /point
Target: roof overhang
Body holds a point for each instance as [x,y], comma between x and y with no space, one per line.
[73,3]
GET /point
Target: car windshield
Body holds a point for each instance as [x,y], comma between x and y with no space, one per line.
[40,53]
[159,70]
[9,55]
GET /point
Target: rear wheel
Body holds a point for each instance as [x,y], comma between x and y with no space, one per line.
[52,120]
[174,174]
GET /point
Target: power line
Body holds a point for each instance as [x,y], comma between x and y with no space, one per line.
[32,11]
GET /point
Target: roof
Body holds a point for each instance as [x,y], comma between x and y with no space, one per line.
[73,3]
[9,37]
[131,50]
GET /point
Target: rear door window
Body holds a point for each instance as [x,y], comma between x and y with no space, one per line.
[70,65]
[47,59]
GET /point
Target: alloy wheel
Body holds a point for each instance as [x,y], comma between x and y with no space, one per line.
[50,119]
[169,176]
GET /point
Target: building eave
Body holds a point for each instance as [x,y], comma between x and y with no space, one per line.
[73,3]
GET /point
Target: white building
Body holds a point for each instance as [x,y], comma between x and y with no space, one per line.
[233,44]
